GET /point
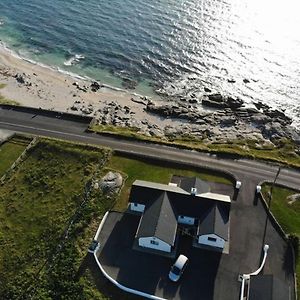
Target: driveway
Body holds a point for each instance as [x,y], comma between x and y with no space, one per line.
[209,275]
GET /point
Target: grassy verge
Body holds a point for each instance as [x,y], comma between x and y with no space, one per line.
[151,171]
[286,213]
[10,151]
[36,204]
[4,100]
[283,152]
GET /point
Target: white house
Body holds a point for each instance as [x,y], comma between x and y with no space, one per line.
[188,203]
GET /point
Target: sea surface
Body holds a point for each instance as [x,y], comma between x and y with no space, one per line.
[184,45]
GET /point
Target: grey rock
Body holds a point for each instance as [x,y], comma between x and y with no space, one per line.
[111,182]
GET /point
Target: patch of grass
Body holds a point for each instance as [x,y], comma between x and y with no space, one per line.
[151,171]
[2,85]
[36,204]
[10,151]
[284,150]
[287,214]
[4,100]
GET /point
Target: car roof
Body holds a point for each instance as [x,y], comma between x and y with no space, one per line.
[180,261]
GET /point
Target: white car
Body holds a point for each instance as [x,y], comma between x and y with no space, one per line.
[178,268]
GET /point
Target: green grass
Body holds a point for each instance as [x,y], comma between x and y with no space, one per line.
[10,151]
[2,85]
[284,151]
[36,203]
[4,100]
[288,215]
[151,171]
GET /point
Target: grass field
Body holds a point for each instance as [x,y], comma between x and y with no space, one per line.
[36,204]
[287,214]
[10,151]
[151,171]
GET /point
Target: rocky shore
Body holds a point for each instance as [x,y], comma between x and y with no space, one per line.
[208,116]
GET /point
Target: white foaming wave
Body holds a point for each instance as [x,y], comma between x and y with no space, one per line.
[74,60]
[6,49]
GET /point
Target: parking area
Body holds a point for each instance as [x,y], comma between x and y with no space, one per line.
[209,275]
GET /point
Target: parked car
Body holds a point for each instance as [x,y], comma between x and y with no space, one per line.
[93,246]
[178,268]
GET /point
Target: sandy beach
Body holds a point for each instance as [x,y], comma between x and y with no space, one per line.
[34,85]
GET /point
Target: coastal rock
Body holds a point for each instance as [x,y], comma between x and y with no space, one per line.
[20,78]
[129,84]
[216,97]
[213,103]
[207,90]
[95,86]
[234,103]
[231,80]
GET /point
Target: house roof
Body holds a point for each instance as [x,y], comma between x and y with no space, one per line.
[268,287]
[214,221]
[187,183]
[160,186]
[159,220]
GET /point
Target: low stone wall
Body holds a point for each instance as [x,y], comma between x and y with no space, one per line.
[49,113]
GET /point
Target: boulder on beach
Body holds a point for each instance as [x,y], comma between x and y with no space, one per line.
[95,86]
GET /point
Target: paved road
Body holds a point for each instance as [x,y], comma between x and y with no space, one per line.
[74,131]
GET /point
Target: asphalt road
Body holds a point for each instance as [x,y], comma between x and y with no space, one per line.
[57,127]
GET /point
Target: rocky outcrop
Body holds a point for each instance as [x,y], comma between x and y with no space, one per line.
[110,183]
[95,86]
[220,102]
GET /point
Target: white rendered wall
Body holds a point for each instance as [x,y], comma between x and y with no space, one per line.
[186,220]
[137,207]
[219,243]
[162,246]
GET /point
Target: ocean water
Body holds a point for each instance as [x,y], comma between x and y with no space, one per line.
[183,45]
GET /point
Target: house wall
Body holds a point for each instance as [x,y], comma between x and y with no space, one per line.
[186,220]
[154,243]
[137,207]
[205,240]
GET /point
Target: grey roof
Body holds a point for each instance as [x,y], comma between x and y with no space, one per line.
[159,220]
[159,186]
[214,221]
[268,287]
[184,203]
[187,183]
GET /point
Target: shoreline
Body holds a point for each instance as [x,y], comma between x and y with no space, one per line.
[212,118]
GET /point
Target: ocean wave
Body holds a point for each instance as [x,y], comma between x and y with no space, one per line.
[74,60]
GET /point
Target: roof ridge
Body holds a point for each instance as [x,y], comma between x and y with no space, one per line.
[161,203]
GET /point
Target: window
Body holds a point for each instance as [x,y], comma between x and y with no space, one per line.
[211,239]
[154,243]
